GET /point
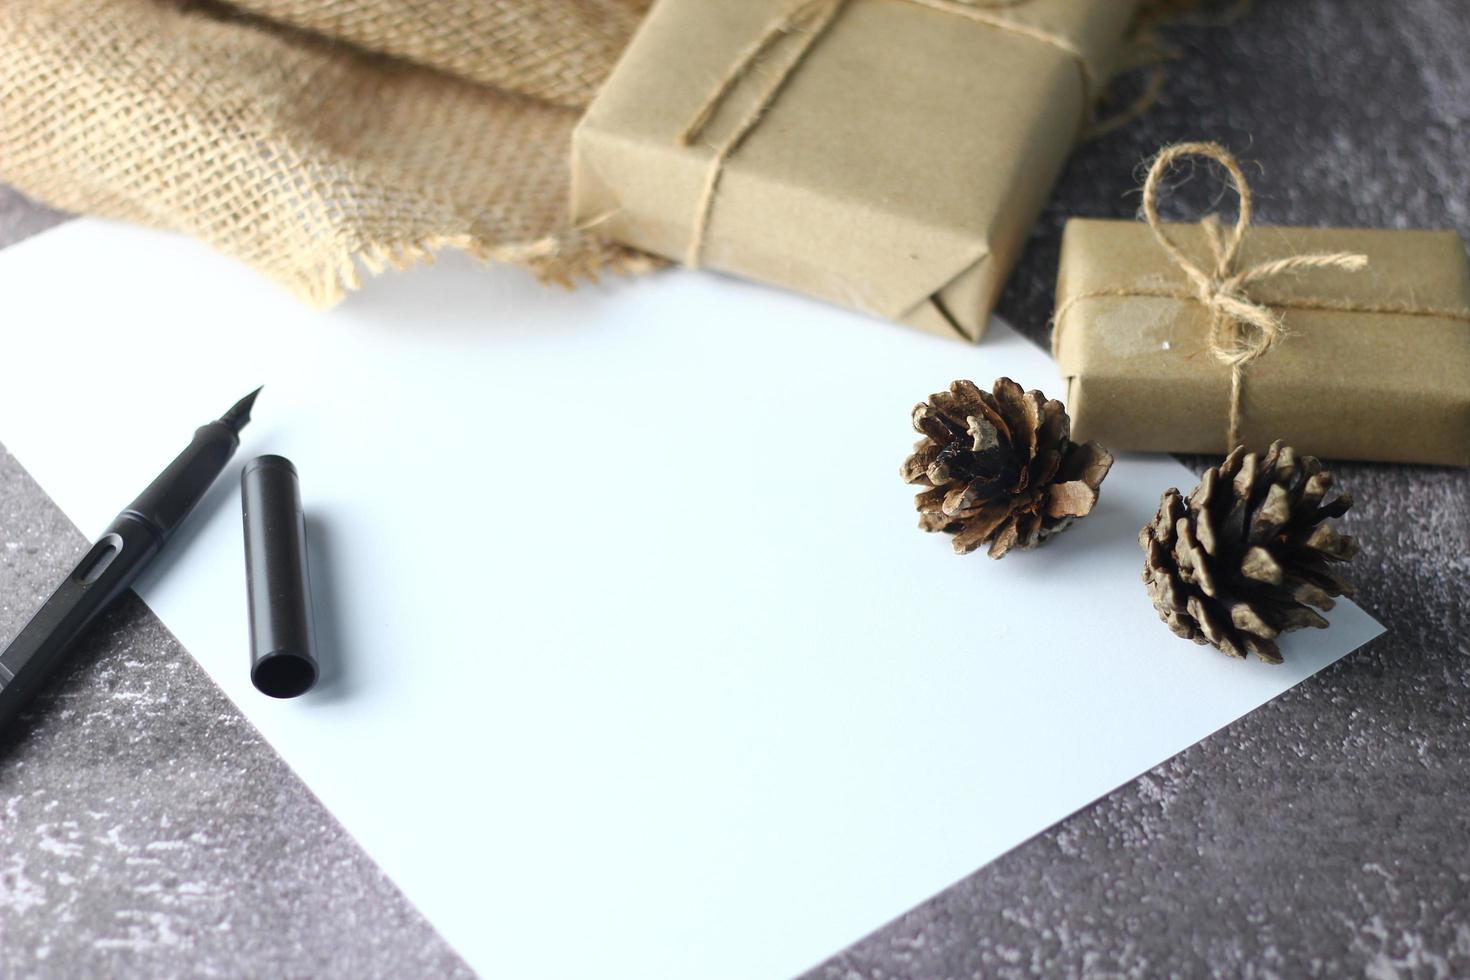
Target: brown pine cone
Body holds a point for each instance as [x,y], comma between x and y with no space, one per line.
[1001,467]
[1248,555]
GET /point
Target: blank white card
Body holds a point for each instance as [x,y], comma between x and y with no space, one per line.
[638,664]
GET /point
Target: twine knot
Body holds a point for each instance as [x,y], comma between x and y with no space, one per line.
[1241,328]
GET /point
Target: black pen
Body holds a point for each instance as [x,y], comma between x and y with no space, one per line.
[115,561]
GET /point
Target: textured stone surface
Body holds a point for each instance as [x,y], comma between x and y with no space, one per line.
[145,829]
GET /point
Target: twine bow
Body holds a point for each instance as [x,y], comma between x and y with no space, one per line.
[1241,328]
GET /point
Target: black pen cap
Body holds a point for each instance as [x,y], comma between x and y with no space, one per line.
[282,643]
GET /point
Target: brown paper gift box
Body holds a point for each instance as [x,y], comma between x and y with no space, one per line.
[896,170]
[1350,385]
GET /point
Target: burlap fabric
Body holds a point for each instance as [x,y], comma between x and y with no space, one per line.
[314,138]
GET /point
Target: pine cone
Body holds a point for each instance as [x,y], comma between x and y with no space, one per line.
[1248,555]
[1001,467]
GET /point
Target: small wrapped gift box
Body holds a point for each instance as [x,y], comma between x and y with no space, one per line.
[887,155]
[1370,358]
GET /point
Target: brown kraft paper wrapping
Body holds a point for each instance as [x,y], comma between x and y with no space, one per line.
[896,169]
[1387,386]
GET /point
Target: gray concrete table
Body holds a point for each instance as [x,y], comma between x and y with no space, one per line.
[145,828]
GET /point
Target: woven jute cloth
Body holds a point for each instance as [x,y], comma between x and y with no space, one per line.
[314,139]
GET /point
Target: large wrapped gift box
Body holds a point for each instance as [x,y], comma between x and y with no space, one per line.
[887,155]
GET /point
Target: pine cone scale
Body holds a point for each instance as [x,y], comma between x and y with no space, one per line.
[1326,540]
[1005,540]
[916,468]
[1071,499]
[1089,463]
[1032,405]
[932,425]
[980,529]
[1259,566]
[960,498]
[984,432]
[1247,619]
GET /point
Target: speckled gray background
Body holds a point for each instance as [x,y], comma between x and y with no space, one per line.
[146,830]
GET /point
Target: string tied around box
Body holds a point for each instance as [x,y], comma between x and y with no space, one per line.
[1243,329]
[809,20]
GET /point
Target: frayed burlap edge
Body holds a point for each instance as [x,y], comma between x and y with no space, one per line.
[559,260]
[315,163]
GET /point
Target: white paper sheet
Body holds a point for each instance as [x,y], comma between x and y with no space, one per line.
[640,667]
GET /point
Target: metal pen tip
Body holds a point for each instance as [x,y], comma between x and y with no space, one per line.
[239,413]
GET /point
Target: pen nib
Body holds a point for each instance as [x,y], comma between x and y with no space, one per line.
[239,414]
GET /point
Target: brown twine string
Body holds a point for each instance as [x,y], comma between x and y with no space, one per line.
[812,18]
[1148,50]
[1242,329]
